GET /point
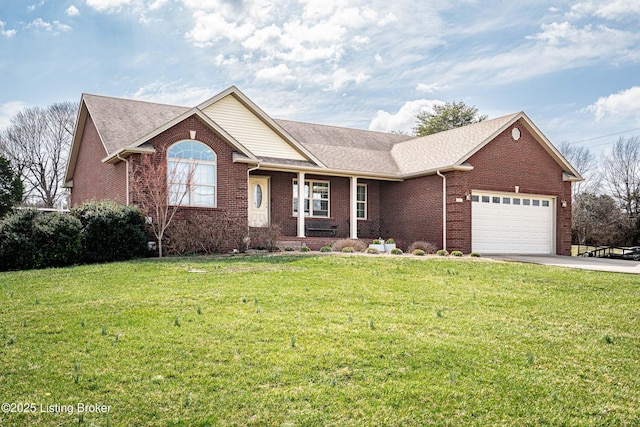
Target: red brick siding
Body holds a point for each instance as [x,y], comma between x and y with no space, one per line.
[412,210]
[92,178]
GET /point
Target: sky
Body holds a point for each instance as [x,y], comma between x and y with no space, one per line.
[572,66]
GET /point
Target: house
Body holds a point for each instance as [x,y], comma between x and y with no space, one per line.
[498,186]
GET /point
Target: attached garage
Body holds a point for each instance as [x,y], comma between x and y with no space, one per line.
[512,223]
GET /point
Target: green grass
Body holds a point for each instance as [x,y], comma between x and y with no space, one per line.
[332,340]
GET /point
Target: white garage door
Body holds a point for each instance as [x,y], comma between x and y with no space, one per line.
[512,223]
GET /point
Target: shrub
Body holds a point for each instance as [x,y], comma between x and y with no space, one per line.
[110,231]
[304,249]
[18,248]
[389,241]
[59,239]
[418,252]
[377,241]
[325,249]
[443,252]
[427,247]
[396,251]
[30,239]
[475,254]
[265,237]
[372,251]
[289,249]
[347,249]
[457,253]
[356,245]
[205,234]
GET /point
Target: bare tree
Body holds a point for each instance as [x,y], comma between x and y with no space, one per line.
[37,143]
[621,174]
[152,190]
[585,163]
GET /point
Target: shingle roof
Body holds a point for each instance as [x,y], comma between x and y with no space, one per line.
[445,149]
[120,122]
[347,149]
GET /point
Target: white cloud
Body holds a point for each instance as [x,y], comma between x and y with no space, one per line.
[8,110]
[429,88]
[173,93]
[6,33]
[72,11]
[341,78]
[107,5]
[41,24]
[213,27]
[404,119]
[621,105]
[278,73]
[607,9]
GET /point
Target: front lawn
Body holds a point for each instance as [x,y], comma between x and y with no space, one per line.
[297,340]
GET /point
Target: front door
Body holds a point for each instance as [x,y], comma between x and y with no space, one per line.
[259,201]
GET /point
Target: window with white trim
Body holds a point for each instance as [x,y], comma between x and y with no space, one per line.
[316,198]
[192,174]
[361,201]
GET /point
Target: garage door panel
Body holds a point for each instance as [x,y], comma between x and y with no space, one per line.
[513,227]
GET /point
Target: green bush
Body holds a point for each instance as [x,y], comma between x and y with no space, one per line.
[372,251]
[396,251]
[389,241]
[30,239]
[418,252]
[289,249]
[59,239]
[442,252]
[111,232]
[457,253]
[304,249]
[18,250]
[356,245]
[348,249]
[475,254]
[325,249]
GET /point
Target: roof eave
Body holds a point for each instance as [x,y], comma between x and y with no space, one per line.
[464,167]
[329,171]
[125,152]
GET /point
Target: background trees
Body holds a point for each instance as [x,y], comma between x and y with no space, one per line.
[445,117]
[37,143]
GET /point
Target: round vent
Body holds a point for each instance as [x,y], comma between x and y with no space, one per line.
[515,134]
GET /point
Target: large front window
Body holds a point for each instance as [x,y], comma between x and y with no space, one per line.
[361,202]
[191,174]
[316,198]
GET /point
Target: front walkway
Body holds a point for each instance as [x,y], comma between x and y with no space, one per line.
[596,264]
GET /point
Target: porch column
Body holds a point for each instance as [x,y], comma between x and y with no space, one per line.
[301,204]
[353,211]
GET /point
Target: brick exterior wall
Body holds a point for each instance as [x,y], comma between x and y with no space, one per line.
[93,179]
[413,209]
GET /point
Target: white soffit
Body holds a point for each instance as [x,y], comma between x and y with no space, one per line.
[249,130]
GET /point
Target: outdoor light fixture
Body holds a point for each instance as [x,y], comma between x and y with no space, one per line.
[563,203]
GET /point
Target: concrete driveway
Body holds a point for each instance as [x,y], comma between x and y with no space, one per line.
[596,264]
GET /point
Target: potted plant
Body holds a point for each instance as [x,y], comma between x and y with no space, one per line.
[378,244]
[389,245]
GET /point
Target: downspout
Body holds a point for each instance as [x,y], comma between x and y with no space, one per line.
[444,209]
[126,161]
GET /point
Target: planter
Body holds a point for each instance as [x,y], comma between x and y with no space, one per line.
[379,247]
[388,247]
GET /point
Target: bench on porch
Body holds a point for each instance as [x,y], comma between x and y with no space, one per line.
[315,226]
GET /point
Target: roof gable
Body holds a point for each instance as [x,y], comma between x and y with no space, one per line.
[253,128]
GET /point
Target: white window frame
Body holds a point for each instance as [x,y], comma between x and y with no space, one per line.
[362,203]
[310,198]
[189,197]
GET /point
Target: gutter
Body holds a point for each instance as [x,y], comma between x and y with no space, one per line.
[126,161]
[444,209]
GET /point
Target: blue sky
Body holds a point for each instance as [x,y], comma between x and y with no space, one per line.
[572,66]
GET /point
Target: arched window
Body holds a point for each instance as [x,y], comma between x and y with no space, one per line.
[191,174]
